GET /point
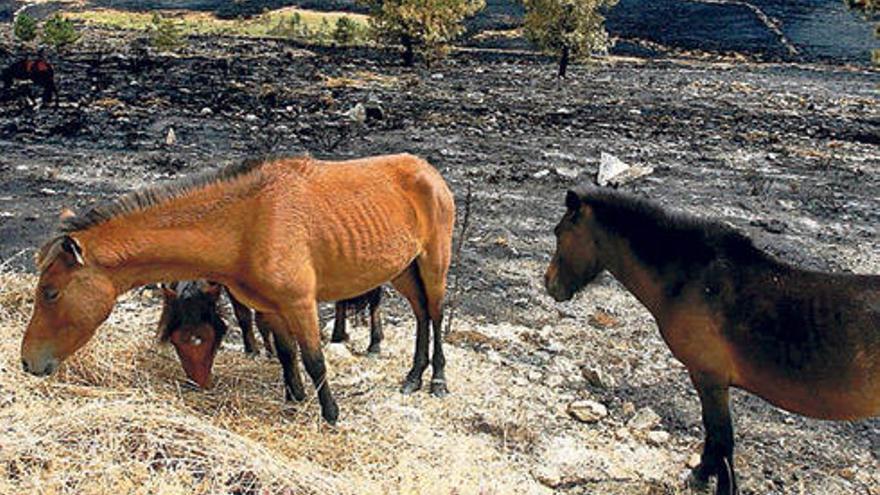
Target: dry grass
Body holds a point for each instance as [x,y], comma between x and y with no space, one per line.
[119,418]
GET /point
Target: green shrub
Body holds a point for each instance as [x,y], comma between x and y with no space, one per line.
[165,34]
[567,28]
[346,31]
[59,32]
[25,28]
[421,26]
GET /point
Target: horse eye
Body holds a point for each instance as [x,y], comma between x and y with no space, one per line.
[195,340]
[51,294]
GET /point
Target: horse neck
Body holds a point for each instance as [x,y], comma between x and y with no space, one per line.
[190,238]
[643,281]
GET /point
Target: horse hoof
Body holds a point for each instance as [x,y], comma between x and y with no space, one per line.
[410,386]
[698,480]
[373,351]
[330,414]
[439,389]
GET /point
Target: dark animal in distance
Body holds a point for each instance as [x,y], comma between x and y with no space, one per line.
[805,341]
[191,322]
[39,71]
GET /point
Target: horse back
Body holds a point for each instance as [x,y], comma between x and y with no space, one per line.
[807,341]
[353,224]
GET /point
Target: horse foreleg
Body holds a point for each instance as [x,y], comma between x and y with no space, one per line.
[376,334]
[717,459]
[339,333]
[302,319]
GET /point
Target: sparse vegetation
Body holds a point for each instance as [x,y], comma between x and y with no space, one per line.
[299,24]
[59,32]
[570,29]
[346,31]
[871,10]
[25,28]
[165,34]
[424,27]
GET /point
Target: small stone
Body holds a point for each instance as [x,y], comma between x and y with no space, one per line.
[596,377]
[337,351]
[437,76]
[568,172]
[628,408]
[657,437]
[603,320]
[693,461]
[644,419]
[206,111]
[541,174]
[250,118]
[357,113]
[587,411]
[170,138]
[48,192]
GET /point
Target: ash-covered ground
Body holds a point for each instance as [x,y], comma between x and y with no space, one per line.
[786,153]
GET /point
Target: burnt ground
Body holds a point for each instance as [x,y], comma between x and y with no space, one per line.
[786,153]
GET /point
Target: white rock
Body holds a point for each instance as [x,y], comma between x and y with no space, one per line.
[609,167]
[645,419]
[337,351]
[250,118]
[587,411]
[206,111]
[569,172]
[48,192]
[170,138]
[657,437]
[541,174]
[358,113]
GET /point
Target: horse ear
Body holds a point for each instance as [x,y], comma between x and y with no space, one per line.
[572,200]
[71,246]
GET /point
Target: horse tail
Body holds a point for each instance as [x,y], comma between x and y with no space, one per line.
[456,259]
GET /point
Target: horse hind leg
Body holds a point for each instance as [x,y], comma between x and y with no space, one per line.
[433,268]
[376,334]
[244,316]
[409,284]
[339,332]
[717,459]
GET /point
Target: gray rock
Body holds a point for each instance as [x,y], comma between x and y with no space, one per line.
[587,411]
[644,419]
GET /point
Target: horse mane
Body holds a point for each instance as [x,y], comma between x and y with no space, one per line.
[144,198]
[659,236]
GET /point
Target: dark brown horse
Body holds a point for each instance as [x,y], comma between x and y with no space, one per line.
[805,341]
[39,71]
[191,322]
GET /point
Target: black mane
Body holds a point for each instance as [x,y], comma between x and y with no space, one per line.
[144,198]
[660,237]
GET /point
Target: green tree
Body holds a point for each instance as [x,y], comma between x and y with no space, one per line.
[871,11]
[421,26]
[25,28]
[165,34]
[346,31]
[59,32]
[567,28]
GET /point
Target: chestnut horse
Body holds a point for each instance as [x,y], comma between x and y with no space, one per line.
[38,71]
[805,341]
[281,234]
[191,321]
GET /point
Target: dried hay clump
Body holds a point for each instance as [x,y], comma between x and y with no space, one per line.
[109,423]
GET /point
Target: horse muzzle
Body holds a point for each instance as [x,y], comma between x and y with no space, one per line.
[40,367]
[557,291]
